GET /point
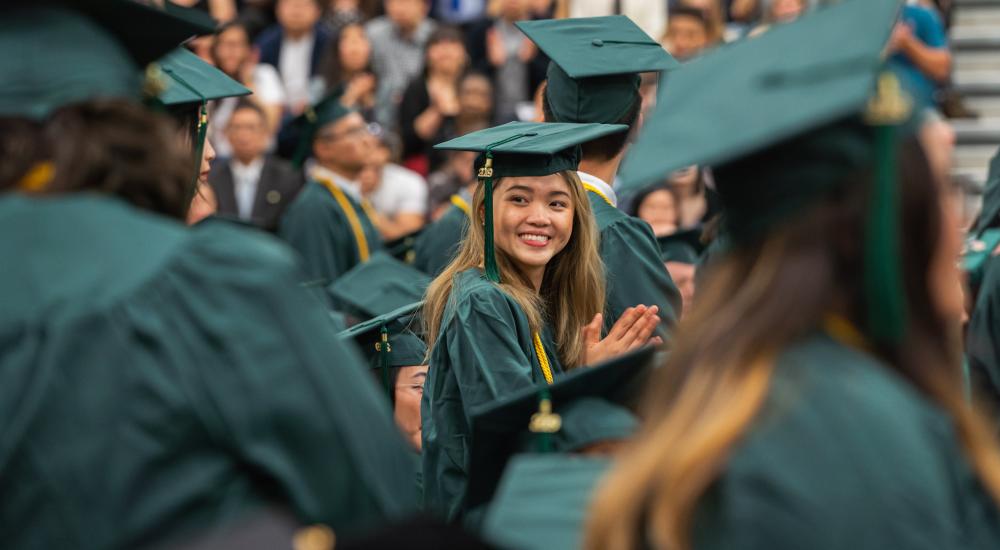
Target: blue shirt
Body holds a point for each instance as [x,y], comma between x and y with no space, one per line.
[928,28]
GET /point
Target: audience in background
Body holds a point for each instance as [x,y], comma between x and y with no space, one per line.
[398,41]
[347,70]
[233,53]
[430,103]
[397,195]
[295,45]
[659,206]
[341,13]
[455,174]
[252,185]
[920,55]
[502,52]
[651,16]
[687,32]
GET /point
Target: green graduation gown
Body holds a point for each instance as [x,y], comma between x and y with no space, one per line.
[635,274]
[318,228]
[439,242]
[845,454]
[982,339]
[157,380]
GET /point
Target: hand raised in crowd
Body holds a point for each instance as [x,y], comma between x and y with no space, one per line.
[444,98]
[495,51]
[528,51]
[633,330]
[248,67]
[902,34]
[358,89]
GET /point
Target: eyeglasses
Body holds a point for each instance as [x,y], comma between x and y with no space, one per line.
[357,131]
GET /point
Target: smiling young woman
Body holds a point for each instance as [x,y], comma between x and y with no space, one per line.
[521,301]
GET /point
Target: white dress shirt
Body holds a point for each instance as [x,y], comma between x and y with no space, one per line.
[294,65]
[600,185]
[246,179]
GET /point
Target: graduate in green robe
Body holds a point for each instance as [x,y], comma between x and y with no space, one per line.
[327,223]
[438,243]
[813,396]
[594,77]
[507,313]
[157,380]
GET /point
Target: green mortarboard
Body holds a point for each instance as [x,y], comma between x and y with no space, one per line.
[684,246]
[542,501]
[302,129]
[523,149]
[57,53]
[191,81]
[387,341]
[783,117]
[596,61]
[500,428]
[404,248]
[378,286]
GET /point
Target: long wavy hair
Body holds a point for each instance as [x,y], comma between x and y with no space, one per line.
[708,395]
[572,290]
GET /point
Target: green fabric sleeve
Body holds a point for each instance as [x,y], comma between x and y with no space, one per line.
[316,228]
[439,243]
[635,274]
[983,340]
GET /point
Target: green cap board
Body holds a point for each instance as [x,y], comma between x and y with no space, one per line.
[539,415]
[542,501]
[388,342]
[782,118]
[683,246]
[520,149]
[596,61]
[378,286]
[58,53]
[297,139]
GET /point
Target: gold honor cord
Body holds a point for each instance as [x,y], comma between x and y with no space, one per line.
[543,360]
[460,203]
[352,217]
[597,192]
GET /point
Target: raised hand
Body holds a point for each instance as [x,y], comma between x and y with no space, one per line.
[633,330]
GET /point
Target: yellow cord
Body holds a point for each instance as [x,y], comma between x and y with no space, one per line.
[352,217]
[593,189]
[543,360]
[460,203]
[843,331]
[37,178]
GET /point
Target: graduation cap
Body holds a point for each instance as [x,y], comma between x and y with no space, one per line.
[683,246]
[378,286]
[783,117]
[404,248]
[193,82]
[296,139]
[387,342]
[58,53]
[506,426]
[596,61]
[542,501]
[523,149]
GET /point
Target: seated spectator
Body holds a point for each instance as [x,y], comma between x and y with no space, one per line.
[659,206]
[651,16]
[920,55]
[502,52]
[475,104]
[397,195]
[454,175]
[251,185]
[430,103]
[294,45]
[696,203]
[348,70]
[233,54]
[398,40]
[687,32]
[713,15]
[341,13]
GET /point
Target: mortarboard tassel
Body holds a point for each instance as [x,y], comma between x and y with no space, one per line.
[384,350]
[883,281]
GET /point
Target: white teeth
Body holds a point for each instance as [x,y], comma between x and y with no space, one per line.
[536,238]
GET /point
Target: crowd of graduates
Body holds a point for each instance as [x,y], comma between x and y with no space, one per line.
[716,299]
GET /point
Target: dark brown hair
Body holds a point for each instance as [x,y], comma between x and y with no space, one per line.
[22,146]
[123,149]
[606,147]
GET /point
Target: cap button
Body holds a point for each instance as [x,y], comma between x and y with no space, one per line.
[597,42]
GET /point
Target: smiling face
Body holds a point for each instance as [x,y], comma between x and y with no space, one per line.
[533,221]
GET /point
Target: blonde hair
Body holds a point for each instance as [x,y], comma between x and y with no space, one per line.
[720,369]
[572,290]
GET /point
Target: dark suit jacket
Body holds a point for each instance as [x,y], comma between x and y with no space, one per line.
[269,43]
[279,183]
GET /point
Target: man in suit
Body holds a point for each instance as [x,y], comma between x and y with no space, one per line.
[253,186]
[295,46]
